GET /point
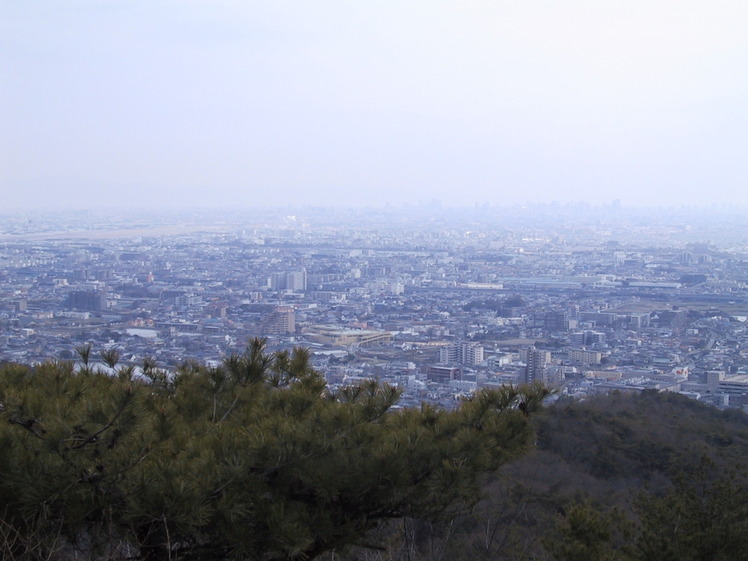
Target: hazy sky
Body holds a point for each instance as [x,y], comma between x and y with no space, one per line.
[244,102]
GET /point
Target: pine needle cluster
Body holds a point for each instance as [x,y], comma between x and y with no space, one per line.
[253,459]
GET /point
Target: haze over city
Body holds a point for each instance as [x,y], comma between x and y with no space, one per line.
[209,104]
[347,281]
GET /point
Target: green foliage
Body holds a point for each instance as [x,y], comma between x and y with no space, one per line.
[641,437]
[624,477]
[253,459]
[585,533]
[703,517]
[607,451]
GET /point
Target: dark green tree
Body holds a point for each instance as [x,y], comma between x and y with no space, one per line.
[703,517]
[585,533]
[254,459]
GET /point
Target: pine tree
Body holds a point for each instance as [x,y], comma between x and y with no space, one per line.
[253,459]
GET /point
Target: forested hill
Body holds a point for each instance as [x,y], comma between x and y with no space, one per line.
[640,439]
[651,476]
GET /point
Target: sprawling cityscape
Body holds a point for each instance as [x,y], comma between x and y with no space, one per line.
[373,281]
[436,301]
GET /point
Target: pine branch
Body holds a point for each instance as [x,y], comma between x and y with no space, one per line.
[94,437]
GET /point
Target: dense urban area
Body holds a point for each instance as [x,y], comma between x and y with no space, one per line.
[436,301]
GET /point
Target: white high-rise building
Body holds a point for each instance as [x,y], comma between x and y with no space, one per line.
[536,362]
[470,354]
[296,281]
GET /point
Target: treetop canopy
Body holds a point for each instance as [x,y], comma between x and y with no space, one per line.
[253,459]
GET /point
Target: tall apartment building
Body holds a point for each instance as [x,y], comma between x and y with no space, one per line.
[277,281]
[280,321]
[584,356]
[536,362]
[89,300]
[556,321]
[295,281]
[586,338]
[470,354]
